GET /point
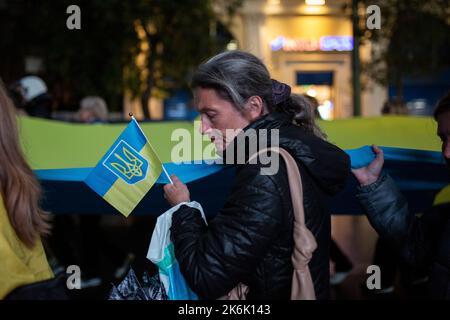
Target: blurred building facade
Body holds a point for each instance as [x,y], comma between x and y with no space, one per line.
[308,45]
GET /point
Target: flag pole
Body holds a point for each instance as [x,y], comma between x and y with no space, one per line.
[164,168]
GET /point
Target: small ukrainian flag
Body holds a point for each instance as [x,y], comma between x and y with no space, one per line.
[127,171]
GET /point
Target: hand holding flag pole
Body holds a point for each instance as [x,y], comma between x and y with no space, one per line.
[176,192]
[164,169]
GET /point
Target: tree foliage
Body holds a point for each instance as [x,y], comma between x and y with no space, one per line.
[138,46]
[414,40]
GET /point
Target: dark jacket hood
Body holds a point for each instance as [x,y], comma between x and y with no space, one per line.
[327,164]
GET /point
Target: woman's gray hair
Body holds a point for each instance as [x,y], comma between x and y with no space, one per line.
[237,76]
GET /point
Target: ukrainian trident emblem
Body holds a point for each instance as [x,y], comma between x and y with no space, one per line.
[126,163]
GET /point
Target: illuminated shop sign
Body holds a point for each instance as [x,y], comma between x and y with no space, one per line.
[325,43]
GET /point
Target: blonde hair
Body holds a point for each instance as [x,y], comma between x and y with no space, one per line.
[20,190]
[96,105]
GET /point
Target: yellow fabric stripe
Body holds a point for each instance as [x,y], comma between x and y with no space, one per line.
[125,197]
[443,196]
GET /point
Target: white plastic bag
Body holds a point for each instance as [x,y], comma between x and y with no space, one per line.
[161,252]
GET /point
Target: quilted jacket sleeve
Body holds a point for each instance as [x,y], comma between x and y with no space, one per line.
[216,258]
[415,237]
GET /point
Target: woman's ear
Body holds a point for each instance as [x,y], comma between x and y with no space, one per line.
[254,108]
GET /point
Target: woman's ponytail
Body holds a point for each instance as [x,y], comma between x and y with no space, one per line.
[298,107]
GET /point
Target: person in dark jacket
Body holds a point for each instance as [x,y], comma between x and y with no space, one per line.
[34,97]
[250,240]
[423,242]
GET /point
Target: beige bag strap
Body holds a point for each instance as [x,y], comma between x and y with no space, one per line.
[305,243]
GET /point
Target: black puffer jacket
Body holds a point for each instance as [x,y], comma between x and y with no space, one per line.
[423,242]
[251,238]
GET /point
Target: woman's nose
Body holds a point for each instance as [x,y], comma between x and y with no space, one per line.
[204,126]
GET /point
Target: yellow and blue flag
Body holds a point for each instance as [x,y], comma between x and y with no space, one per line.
[127,171]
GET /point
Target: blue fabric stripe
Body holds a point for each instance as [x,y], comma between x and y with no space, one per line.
[191,171]
[419,174]
[187,172]
[420,185]
[361,157]
[101,179]
[73,174]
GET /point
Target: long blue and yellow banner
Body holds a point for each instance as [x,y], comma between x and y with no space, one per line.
[63,156]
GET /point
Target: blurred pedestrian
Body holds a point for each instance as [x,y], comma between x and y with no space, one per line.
[422,241]
[34,97]
[93,109]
